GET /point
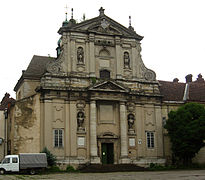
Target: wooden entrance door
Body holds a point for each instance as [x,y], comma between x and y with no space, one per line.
[107,153]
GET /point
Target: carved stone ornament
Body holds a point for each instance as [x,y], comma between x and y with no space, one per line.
[104,24]
[80,105]
[54,67]
[131,107]
[145,73]
[150,75]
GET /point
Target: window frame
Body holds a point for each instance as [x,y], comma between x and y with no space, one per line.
[58,138]
[150,139]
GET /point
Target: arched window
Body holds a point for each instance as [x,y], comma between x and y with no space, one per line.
[105,74]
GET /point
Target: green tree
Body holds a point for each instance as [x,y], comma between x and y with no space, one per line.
[186,130]
[51,159]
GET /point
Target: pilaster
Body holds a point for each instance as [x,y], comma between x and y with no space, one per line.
[48,131]
[67,129]
[73,129]
[118,56]
[92,55]
[159,134]
[134,62]
[73,55]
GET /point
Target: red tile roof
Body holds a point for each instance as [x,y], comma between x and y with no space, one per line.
[197,91]
[172,91]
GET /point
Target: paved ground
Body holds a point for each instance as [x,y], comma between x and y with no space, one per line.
[160,175]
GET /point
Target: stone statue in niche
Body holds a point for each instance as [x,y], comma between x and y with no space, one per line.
[126,60]
[131,120]
[80,120]
[80,55]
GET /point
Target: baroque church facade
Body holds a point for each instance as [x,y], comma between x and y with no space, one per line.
[95,103]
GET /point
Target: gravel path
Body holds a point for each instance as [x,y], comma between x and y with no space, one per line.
[160,175]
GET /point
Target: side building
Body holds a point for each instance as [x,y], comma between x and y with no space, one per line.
[176,94]
[6,103]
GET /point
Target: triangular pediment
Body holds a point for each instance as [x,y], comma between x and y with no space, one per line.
[102,25]
[108,86]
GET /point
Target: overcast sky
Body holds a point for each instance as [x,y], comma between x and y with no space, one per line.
[173,30]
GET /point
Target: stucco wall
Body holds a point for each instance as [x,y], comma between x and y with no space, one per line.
[27,125]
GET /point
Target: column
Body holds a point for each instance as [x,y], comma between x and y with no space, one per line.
[123,131]
[93,135]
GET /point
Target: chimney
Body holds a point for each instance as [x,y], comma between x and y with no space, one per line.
[188,78]
[200,78]
[175,80]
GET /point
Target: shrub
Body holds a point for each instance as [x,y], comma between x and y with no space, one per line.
[54,169]
[70,169]
[51,159]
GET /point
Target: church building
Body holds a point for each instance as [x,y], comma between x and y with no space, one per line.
[95,103]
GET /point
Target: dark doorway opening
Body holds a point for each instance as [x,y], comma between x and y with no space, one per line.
[107,153]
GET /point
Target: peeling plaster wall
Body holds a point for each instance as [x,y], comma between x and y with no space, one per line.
[27,125]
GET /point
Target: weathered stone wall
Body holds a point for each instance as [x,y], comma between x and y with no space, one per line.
[26,136]
[27,88]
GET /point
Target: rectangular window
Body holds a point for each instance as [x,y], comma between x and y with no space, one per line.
[150,139]
[58,138]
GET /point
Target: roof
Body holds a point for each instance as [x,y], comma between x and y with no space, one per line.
[172,91]
[101,24]
[197,91]
[176,91]
[37,66]
[35,69]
